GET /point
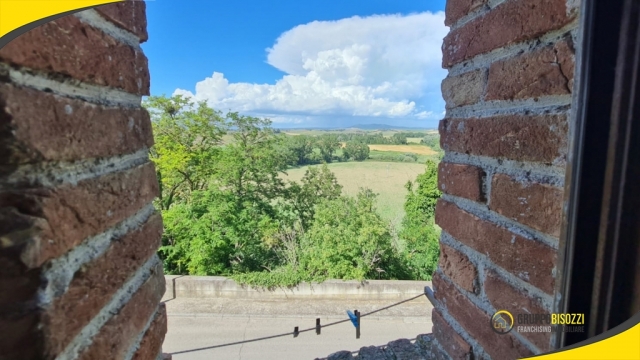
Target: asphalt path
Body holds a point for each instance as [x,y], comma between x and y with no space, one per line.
[223,328]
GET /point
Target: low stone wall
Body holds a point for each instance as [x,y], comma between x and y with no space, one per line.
[218,286]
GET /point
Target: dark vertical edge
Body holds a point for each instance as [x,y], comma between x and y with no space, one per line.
[618,236]
[599,23]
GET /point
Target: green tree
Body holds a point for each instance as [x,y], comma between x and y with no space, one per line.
[328,144]
[300,148]
[250,165]
[399,139]
[356,150]
[317,184]
[348,240]
[418,230]
[187,138]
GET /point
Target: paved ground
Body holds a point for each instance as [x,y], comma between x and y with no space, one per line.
[202,323]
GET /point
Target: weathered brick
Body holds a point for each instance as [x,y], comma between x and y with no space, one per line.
[458,268]
[121,331]
[455,9]
[46,127]
[547,71]
[478,323]
[151,343]
[465,89]
[73,212]
[461,180]
[96,282]
[69,47]
[130,15]
[510,22]
[529,260]
[449,339]
[514,137]
[536,205]
[504,297]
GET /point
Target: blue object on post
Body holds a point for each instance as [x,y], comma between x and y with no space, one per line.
[353,317]
[355,320]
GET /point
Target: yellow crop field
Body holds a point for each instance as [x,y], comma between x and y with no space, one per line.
[416,149]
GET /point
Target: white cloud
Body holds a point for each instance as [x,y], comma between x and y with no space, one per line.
[383,66]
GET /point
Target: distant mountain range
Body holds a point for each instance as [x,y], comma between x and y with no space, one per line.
[383,127]
[364,127]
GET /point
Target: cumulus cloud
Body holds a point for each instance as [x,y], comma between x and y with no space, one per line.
[376,67]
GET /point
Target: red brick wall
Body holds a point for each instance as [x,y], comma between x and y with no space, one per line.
[79,274]
[508,97]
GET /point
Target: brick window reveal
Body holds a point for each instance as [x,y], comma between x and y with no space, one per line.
[79,233]
[505,133]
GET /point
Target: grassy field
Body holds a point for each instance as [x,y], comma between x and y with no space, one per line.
[385,178]
[416,149]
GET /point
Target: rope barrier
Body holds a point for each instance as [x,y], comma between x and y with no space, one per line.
[293,332]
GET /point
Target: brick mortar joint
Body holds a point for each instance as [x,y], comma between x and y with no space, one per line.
[95,19]
[484,305]
[485,60]
[531,171]
[483,263]
[544,105]
[483,212]
[85,338]
[436,343]
[56,173]
[477,13]
[59,272]
[69,87]
[476,348]
[136,344]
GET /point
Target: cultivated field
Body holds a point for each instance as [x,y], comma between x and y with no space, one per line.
[385,178]
[416,149]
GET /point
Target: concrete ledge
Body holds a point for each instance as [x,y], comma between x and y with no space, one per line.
[180,286]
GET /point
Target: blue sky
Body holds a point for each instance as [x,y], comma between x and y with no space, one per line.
[311,63]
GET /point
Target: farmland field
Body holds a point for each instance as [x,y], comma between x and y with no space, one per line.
[385,178]
[416,149]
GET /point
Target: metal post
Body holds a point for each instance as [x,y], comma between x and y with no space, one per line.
[318,327]
[358,324]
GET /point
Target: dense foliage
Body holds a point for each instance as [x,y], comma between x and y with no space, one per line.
[378,138]
[356,150]
[418,228]
[228,210]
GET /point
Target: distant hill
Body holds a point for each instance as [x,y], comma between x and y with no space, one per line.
[383,127]
[361,127]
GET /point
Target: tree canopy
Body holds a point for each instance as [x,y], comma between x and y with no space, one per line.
[228,209]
